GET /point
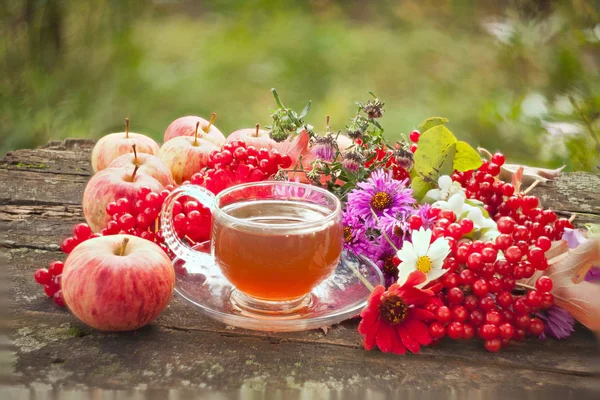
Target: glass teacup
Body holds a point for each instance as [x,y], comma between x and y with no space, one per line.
[274,241]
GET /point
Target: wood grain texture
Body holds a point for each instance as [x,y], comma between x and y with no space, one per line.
[40,201]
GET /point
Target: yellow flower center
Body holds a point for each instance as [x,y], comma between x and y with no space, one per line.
[424,264]
[347,234]
[381,201]
[393,309]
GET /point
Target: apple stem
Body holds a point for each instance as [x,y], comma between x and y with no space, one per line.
[127,128]
[257,129]
[123,246]
[213,116]
[134,172]
[196,134]
[135,160]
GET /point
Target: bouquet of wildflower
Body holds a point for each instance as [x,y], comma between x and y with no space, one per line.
[464,253]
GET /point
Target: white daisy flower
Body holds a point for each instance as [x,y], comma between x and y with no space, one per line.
[421,255]
[456,203]
[446,188]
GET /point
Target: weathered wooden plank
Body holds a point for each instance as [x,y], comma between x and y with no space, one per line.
[49,161]
[575,192]
[38,188]
[160,357]
[36,226]
[575,355]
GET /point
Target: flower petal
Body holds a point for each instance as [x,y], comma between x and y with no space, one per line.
[434,194]
[420,314]
[456,202]
[444,182]
[407,253]
[404,270]
[384,338]
[419,331]
[369,340]
[439,249]
[420,240]
[436,273]
[397,346]
[414,278]
[407,339]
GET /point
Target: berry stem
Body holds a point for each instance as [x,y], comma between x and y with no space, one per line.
[135,159]
[134,172]
[257,129]
[127,128]
[123,246]
[196,134]
[213,116]
[572,218]
[530,188]
[485,152]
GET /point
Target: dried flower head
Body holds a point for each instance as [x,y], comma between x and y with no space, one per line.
[404,158]
[374,109]
[324,147]
[352,160]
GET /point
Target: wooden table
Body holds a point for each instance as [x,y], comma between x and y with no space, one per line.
[184,352]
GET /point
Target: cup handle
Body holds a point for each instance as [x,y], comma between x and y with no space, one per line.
[181,249]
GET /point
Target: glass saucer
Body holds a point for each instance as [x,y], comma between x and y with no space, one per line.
[342,296]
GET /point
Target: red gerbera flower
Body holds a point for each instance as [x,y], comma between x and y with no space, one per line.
[393,320]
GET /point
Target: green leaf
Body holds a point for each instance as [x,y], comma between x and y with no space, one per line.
[420,187]
[466,158]
[430,123]
[305,110]
[434,147]
[447,167]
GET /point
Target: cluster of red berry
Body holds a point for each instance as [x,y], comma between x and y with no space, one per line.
[238,163]
[481,293]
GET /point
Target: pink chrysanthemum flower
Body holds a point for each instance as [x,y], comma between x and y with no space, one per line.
[380,194]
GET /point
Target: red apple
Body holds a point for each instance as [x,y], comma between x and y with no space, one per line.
[149,165]
[118,282]
[253,137]
[109,185]
[186,126]
[115,144]
[185,155]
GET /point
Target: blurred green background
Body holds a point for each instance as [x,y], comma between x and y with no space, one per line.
[501,71]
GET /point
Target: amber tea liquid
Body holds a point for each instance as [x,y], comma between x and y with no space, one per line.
[272,262]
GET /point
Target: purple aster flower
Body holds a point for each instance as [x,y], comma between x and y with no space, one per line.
[393,226]
[558,323]
[356,238]
[384,259]
[423,212]
[381,194]
[324,147]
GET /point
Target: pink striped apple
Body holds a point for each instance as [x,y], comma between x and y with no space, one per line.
[115,144]
[118,282]
[186,126]
[109,185]
[148,164]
